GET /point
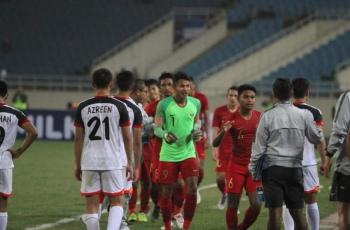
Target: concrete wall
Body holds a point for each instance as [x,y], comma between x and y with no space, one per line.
[191,50]
[276,54]
[145,52]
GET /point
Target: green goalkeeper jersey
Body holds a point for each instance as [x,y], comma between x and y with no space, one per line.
[180,121]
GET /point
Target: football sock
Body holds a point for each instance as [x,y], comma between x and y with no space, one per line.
[3,220]
[231,218]
[154,194]
[189,209]
[145,193]
[91,221]
[166,208]
[249,218]
[133,200]
[313,215]
[178,198]
[221,185]
[115,217]
[288,221]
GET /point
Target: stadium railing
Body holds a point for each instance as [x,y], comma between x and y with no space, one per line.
[320,14]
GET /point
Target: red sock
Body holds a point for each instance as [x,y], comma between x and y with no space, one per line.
[133,200]
[189,209]
[145,192]
[221,185]
[178,198]
[231,218]
[166,208]
[249,218]
[201,175]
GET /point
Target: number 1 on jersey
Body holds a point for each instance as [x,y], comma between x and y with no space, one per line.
[97,121]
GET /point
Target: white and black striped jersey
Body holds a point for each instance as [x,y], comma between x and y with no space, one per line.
[10,119]
[102,119]
[309,155]
[136,119]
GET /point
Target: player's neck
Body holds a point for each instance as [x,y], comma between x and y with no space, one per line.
[180,101]
[300,100]
[102,93]
[232,107]
[246,113]
[123,94]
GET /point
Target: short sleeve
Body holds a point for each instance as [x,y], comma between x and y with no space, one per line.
[22,118]
[124,119]
[204,103]
[216,119]
[160,109]
[138,119]
[319,119]
[78,122]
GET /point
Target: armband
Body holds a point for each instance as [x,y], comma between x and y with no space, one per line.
[159,132]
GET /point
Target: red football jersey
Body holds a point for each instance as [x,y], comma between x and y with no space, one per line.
[243,134]
[221,115]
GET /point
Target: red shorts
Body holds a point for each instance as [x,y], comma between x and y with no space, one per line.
[239,177]
[154,171]
[169,171]
[200,149]
[221,165]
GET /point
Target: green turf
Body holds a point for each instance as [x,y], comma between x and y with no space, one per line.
[46,192]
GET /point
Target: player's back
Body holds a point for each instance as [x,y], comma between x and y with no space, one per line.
[101,118]
[10,119]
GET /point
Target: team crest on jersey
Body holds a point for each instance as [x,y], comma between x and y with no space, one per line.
[192,115]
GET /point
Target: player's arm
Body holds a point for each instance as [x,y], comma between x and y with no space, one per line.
[78,149]
[207,126]
[158,129]
[137,140]
[220,136]
[215,149]
[348,144]
[321,149]
[127,139]
[32,133]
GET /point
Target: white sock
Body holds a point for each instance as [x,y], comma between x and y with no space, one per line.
[313,216]
[115,217]
[3,220]
[288,221]
[92,222]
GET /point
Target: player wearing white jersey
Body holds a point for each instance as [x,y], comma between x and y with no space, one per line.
[125,81]
[311,179]
[10,119]
[100,123]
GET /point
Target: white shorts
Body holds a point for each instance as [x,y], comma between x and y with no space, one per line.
[311,179]
[127,183]
[109,182]
[5,182]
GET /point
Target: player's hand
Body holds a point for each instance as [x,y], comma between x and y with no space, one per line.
[130,172]
[136,174]
[77,173]
[15,153]
[227,126]
[215,154]
[197,135]
[170,138]
[326,167]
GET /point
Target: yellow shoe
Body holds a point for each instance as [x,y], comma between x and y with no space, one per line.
[132,217]
[142,217]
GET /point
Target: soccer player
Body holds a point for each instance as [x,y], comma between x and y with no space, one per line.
[278,152]
[204,118]
[10,119]
[124,82]
[101,123]
[223,153]
[153,89]
[175,122]
[311,179]
[166,89]
[242,127]
[339,142]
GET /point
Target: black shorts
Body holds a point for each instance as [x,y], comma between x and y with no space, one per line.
[283,185]
[340,188]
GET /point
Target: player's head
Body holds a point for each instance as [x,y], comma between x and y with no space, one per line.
[166,83]
[300,88]
[282,89]
[193,86]
[153,89]
[3,89]
[231,95]
[140,91]
[102,79]
[125,80]
[246,96]
[182,85]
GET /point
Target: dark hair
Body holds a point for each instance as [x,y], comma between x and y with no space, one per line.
[282,89]
[165,75]
[3,89]
[244,87]
[300,87]
[181,76]
[139,84]
[125,80]
[101,78]
[231,88]
[151,81]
